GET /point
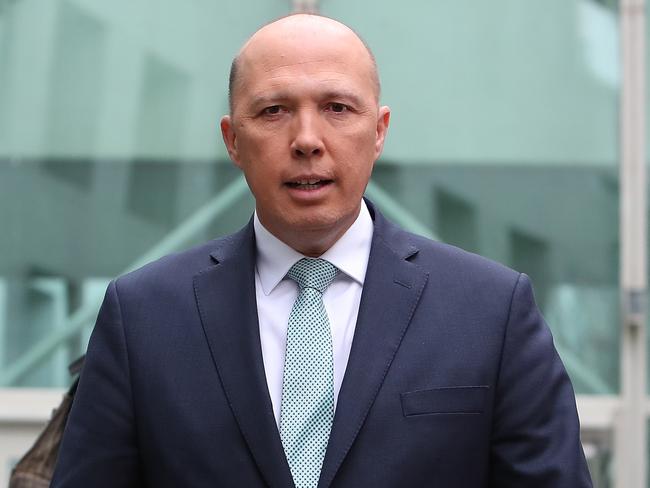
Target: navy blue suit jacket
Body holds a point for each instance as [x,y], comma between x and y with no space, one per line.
[453,380]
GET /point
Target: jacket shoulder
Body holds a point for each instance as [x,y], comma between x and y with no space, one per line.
[441,257]
[178,268]
[438,259]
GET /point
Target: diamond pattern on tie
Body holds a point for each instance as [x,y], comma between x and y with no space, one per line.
[307,408]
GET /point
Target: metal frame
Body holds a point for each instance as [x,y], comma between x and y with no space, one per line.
[602,416]
[631,429]
[85,315]
[623,417]
[175,240]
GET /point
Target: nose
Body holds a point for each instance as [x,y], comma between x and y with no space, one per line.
[307,141]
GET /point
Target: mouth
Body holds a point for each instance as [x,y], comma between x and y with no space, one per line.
[308,184]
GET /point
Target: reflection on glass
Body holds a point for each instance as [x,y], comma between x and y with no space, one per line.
[503,141]
[108,152]
[557,224]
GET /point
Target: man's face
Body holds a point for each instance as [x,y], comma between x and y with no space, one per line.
[306,129]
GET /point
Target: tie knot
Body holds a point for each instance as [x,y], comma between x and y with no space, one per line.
[313,273]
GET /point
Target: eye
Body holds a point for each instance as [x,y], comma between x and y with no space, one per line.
[337,108]
[272,110]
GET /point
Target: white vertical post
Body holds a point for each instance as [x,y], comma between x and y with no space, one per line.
[305,6]
[52,318]
[4,314]
[631,455]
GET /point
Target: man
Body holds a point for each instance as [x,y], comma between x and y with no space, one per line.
[403,363]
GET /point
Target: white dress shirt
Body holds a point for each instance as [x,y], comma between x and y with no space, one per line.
[276,294]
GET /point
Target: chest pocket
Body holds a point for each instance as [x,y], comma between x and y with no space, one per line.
[445,400]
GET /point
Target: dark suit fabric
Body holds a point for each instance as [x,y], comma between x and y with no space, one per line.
[452,382]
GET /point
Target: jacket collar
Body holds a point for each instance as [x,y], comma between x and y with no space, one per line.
[225,295]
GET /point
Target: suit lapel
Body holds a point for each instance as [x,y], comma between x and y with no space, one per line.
[391,292]
[225,294]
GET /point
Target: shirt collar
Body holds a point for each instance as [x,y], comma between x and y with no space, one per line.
[349,254]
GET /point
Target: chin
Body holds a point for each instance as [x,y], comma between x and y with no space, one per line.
[329,218]
[314,224]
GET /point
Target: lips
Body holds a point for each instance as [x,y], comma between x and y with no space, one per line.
[308,184]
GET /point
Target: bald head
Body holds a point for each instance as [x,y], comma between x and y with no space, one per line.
[298,31]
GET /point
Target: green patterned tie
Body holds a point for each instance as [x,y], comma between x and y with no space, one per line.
[308,384]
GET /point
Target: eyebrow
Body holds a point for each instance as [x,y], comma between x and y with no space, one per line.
[268,99]
[275,97]
[344,95]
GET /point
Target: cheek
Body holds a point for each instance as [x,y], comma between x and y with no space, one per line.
[367,140]
[360,155]
[355,174]
[259,154]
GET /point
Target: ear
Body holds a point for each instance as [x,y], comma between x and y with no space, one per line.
[230,138]
[383,118]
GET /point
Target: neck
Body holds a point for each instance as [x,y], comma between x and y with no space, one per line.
[309,241]
[313,246]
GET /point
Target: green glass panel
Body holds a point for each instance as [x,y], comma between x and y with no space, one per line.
[109,147]
[504,141]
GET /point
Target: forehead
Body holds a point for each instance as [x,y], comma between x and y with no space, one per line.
[285,58]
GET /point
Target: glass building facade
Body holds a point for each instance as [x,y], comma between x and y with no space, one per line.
[504,140]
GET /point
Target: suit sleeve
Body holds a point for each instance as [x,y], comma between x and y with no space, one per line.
[99,447]
[536,432]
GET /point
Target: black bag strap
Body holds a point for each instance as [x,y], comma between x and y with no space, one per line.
[75,366]
[36,467]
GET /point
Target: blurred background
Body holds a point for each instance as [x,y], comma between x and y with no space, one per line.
[505,140]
